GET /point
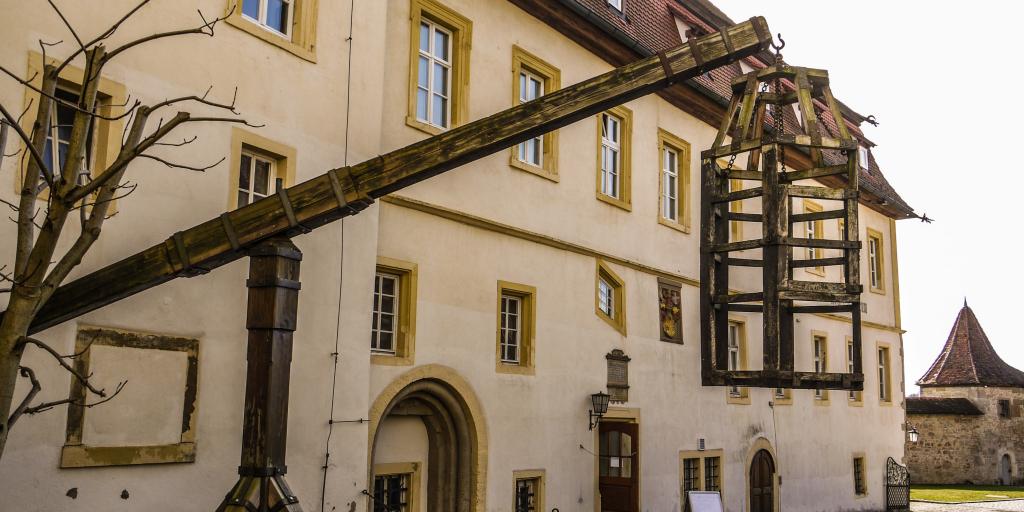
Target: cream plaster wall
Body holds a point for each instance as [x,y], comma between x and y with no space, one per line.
[534,422]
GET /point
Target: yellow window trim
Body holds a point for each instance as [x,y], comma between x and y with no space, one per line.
[625,115]
[412,469]
[405,342]
[701,455]
[667,140]
[785,399]
[744,392]
[824,400]
[304,22]
[819,233]
[858,396]
[736,227]
[879,239]
[618,321]
[462,36]
[111,96]
[888,371]
[528,321]
[540,476]
[284,157]
[552,77]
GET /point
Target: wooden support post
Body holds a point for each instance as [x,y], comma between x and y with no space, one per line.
[271,319]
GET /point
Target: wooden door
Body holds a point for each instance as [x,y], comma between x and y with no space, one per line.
[619,466]
[762,482]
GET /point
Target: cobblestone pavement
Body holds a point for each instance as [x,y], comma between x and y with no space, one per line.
[994,506]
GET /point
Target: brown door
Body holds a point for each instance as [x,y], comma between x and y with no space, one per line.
[762,480]
[619,466]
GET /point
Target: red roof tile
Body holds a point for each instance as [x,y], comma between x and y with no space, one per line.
[940,405]
[968,359]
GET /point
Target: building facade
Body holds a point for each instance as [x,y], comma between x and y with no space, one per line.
[451,336]
[968,414]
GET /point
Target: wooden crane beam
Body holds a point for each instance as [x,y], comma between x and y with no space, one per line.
[346,191]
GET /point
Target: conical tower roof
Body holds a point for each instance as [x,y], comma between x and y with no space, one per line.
[968,359]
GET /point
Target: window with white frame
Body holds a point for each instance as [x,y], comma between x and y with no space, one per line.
[616,4]
[852,395]
[527,494]
[611,155]
[734,354]
[606,297]
[670,183]
[883,374]
[531,87]
[864,156]
[384,330]
[273,15]
[391,492]
[434,75]
[874,261]
[257,177]
[820,362]
[511,328]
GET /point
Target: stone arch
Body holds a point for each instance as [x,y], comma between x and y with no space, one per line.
[760,443]
[456,433]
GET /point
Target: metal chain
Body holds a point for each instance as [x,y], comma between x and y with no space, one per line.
[777,115]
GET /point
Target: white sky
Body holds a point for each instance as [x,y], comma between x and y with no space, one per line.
[941,80]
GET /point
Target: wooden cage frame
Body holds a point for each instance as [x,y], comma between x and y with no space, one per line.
[782,296]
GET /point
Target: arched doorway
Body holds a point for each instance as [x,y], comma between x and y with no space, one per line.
[455,465]
[1005,470]
[762,482]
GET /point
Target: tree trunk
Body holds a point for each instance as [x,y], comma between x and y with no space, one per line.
[12,329]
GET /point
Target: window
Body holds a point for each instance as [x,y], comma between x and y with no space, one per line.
[259,167]
[529,490]
[616,4]
[386,289]
[1004,408]
[737,354]
[516,327]
[691,474]
[783,396]
[820,362]
[814,230]
[858,477]
[852,396]
[875,261]
[674,182]
[864,156]
[287,24]
[712,473]
[275,15]
[532,78]
[104,137]
[256,178]
[394,312]
[613,166]
[884,381]
[391,493]
[610,303]
[700,470]
[439,62]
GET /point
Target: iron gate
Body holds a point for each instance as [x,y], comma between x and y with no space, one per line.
[897,486]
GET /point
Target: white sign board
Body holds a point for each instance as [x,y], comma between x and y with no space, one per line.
[705,501]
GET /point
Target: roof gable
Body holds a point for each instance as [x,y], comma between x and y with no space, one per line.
[968,359]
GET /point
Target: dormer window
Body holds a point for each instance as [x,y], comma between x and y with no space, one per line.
[864,157]
[274,15]
[616,4]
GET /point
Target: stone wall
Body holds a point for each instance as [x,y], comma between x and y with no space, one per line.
[968,449]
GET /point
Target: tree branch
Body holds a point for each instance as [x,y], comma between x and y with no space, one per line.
[36,387]
[65,103]
[182,166]
[104,35]
[83,379]
[200,99]
[12,122]
[67,24]
[46,406]
[206,28]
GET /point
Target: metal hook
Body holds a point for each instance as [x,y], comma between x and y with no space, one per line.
[778,48]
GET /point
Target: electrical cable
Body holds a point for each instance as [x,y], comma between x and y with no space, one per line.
[341,267]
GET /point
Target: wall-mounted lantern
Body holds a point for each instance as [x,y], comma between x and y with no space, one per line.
[912,434]
[600,403]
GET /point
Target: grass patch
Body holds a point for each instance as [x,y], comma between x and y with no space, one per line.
[958,493]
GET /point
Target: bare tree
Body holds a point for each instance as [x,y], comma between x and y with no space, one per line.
[71,189]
